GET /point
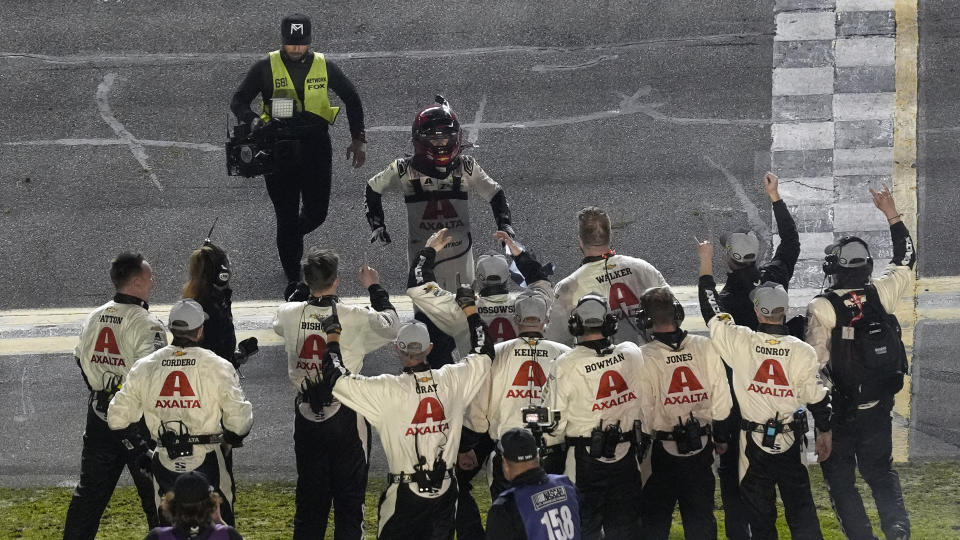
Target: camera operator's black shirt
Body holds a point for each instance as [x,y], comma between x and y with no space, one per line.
[259,80]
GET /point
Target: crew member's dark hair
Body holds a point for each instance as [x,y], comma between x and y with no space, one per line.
[657,302]
[188,335]
[187,515]
[124,267]
[594,226]
[320,270]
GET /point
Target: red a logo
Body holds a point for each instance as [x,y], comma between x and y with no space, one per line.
[530,371]
[611,382]
[439,209]
[621,294]
[177,383]
[771,370]
[501,329]
[428,410]
[107,342]
[684,380]
[313,347]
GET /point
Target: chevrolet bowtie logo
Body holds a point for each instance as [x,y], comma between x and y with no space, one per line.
[772,342]
[424,379]
[179,353]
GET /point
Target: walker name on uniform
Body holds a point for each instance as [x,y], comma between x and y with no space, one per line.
[775,351]
[610,403]
[606,362]
[767,391]
[531,352]
[109,360]
[610,276]
[426,389]
[524,393]
[111,319]
[680,400]
[177,362]
[495,309]
[436,428]
[685,357]
[177,404]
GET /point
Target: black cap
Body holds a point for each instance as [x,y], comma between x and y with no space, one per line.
[191,488]
[517,445]
[295,29]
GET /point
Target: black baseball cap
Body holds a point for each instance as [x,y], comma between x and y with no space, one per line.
[295,29]
[517,445]
[191,488]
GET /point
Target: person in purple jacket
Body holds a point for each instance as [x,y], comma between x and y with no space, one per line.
[194,510]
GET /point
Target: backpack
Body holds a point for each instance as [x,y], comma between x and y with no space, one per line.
[867,356]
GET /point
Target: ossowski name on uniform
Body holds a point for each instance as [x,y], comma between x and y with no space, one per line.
[111,319]
[177,404]
[607,362]
[767,391]
[531,352]
[680,400]
[526,393]
[609,276]
[109,360]
[495,309]
[436,428]
[610,403]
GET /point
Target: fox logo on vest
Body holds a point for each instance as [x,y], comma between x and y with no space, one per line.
[177,384]
[430,410]
[612,391]
[769,375]
[529,372]
[684,382]
[311,352]
[439,209]
[107,345]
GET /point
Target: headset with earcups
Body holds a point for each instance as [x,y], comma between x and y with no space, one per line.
[645,316]
[831,263]
[575,323]
[217,263]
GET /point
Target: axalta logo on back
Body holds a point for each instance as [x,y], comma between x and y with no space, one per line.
[177,384]
[685,383]
[430,412]
[530,379]
[612,391]
[769,377]
[108,348]
[311,353]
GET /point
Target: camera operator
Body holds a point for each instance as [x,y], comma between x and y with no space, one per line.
[302,161]
[418,414]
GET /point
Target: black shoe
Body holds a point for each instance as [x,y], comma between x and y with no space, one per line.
[898,532]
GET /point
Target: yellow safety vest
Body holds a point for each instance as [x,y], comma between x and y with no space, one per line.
[315,96]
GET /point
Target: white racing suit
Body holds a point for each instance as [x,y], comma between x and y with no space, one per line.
[517,380]
[437,203]
[187,396]
[619,278]
[112,338]
[332,445]
[598,387]
[676,380]
[774,376]
[418,415]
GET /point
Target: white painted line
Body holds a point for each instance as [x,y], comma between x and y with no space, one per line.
[753,213]
[867,106]
[202,147]
[865,5]
[544,68]
[807,190]
[802,81]
[475,126]
[862,161]
[852,217]
[805,25]
[103,105]
[802,136]
[864,51]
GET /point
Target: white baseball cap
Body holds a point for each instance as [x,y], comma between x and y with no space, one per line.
[530,308]
[187,314]
[742,247]
[413,338]
[493,269]
[769,296]
[592,309]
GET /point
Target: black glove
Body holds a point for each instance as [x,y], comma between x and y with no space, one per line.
[255,123]
[505,227]
[317,393]
[466,297]
[381,235]
[331,324]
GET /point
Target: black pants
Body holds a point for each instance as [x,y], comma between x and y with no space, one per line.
[685,480]
[218,473]
[332,465]
[443,345]
[101,464]
[767,472]
[305,180]
[609,497]
[864,442]
[404,515]
[469,524]
[736,517]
